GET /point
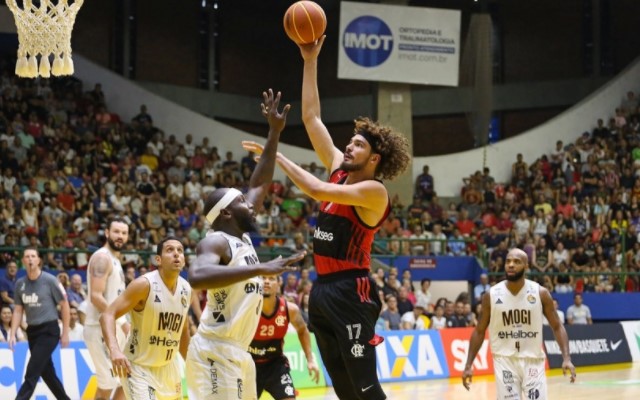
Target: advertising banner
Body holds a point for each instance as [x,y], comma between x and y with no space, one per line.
[632,333]
[456,347]
[73,365]
[399,44]
[589,345]
[411,355]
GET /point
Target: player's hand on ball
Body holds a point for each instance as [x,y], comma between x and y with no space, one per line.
[311,50]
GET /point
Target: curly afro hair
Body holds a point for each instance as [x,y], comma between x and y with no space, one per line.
[392,146]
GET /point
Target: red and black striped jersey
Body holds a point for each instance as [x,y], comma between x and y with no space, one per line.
[269,338]
[341,240]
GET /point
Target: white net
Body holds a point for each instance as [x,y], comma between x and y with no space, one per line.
[44,32]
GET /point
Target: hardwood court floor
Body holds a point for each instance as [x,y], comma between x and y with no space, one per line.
[619,382]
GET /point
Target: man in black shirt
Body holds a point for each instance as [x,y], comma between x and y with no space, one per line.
[458,319]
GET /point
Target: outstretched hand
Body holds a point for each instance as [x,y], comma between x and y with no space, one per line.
[280,265]
[276,119]
[311,50]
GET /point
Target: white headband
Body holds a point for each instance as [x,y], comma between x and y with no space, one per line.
[223,203]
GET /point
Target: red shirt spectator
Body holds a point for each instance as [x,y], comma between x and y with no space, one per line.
[565,208]
[464,224]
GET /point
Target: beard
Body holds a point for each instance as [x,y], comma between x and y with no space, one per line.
[516,277]
[349,167]
[248,224]
[113,245]
[266,295]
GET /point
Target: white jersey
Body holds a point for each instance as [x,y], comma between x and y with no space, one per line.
[515,329]
[232,313]
[156,330]
[114,286]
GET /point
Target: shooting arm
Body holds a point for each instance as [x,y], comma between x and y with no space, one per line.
[320,138]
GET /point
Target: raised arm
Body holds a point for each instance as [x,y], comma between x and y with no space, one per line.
[263,173]
[209,270]
[320,138]
[133,297]
[558,331]
[477,338]
[305,340]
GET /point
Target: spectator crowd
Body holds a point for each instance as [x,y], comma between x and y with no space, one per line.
[69,164]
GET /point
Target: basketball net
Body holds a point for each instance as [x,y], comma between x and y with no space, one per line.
[44,30]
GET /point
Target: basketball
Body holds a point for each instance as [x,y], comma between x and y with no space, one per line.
[304,22]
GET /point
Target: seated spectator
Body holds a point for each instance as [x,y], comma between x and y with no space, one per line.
[7,283]
[438,320]
[6,314]
[76,293]
[578,313]
[290,289]
[457,244]
[391,316]
[76,329]
[558,311]
[482,287]
[458,319]
[563,281]
[404,304]
[472,319]
[415,320]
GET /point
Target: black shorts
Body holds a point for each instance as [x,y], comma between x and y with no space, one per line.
[275,377]
[343,310]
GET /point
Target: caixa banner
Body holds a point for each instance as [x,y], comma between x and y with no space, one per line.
[589,345]
[411,355]
[73,366]
[399,44]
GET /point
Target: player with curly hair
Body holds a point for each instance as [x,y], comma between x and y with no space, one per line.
[344,303]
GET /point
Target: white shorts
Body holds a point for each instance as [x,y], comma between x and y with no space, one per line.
[520,378]
[100,355]
[219,370]
[154,383]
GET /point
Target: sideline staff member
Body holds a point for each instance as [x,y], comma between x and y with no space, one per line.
[38,294]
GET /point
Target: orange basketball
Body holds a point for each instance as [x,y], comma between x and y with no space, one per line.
[304,22]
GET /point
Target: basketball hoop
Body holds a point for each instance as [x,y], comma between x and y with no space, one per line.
[44,30]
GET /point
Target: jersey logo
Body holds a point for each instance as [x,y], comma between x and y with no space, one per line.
[157,300]
[218,316]
[357,350]
[499,301]
[250,287]
[238,244]
[280,320]
[183,300]
[531,299]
